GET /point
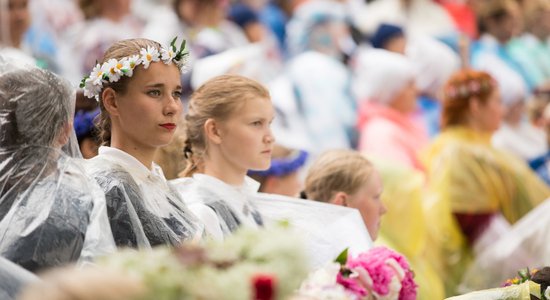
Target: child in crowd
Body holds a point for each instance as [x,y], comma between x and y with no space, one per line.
[282,177]
[347,178]
[137,84]
[228,133]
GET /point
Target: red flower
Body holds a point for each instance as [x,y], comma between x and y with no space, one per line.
[264,287]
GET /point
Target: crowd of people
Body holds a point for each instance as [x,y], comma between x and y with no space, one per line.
[153,122]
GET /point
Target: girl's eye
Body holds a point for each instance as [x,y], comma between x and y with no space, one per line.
[154,93]
[177,94]
[257,123]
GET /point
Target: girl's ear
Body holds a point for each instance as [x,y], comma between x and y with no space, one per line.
[108,96]
[212,131]
[64,134]
[340,198]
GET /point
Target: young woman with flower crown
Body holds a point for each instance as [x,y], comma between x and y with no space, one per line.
[228,133]
[138,88]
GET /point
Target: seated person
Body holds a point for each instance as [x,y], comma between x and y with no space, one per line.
[51,213]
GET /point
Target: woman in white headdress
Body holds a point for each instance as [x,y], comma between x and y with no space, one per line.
[312,114]
[435,62]
[385,87]
[51,213]
[516,134]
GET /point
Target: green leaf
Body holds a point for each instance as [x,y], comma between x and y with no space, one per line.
[524,274]
[342,258]
[182,46]
[83,82]
[173,44]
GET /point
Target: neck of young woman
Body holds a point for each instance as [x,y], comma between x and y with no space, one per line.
[142,153]
[224,171]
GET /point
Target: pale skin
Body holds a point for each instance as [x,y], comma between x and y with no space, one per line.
[367,200]
[241,142]
[18,21]
[144,118]
[405,100]
[485,117]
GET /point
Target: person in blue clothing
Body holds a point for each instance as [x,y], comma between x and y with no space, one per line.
[499,22]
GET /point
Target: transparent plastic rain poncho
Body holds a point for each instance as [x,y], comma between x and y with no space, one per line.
[326,229]
[51,213]
[525,245]
[144,209]
[223,208]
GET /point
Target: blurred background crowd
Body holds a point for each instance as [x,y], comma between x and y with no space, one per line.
[315,57]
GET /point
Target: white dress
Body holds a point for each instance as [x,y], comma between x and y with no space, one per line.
[144,209]
[222,208]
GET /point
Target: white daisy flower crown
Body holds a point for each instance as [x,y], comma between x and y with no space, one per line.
[113,69]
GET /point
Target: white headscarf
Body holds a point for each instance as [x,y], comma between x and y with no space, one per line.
[379,75]
[307,17]
[512,86]
[435,63]
[252,61]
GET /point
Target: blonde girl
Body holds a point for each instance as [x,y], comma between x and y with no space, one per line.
[228,133]
[347,178]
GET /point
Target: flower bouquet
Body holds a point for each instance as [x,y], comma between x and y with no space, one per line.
[541,277]
[379,273]
[529,285]
[264,264]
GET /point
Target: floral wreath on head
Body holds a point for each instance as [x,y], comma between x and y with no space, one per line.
[469,88]
[113,69]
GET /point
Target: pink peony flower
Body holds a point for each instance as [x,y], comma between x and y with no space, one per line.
[382,265]
[352,286]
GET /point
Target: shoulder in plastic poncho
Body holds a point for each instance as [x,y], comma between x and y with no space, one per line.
[143,208]
[223,208]
[51,213]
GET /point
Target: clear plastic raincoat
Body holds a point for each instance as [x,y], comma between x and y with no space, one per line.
[51,212]
[222,208]
[144,209]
